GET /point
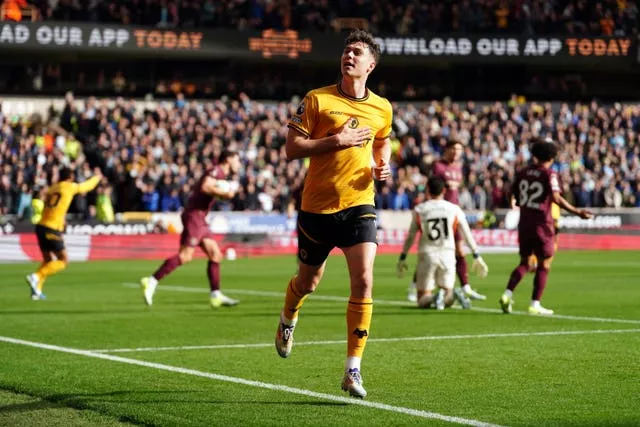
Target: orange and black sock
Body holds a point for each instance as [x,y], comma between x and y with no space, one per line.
[292,301]
[359,311]
[48,269]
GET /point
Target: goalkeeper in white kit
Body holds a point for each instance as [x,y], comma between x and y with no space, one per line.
[438,220]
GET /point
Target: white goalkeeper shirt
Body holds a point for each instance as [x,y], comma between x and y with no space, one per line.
[438,221]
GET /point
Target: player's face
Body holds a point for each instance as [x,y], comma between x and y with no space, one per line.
[357,60]
[454,153]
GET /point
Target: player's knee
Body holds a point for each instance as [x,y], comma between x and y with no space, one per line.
[185,257]
[362,280]
[546,264]
[216,257]
[309,285]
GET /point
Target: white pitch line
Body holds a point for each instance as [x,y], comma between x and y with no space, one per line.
[388,302]
[563,316]
[373,340]
[251,383]
[262,294]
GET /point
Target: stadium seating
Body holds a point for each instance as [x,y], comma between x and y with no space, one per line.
[151,159]
[607,17]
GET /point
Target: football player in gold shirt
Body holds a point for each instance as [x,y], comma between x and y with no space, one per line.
[51,226]
[344,129]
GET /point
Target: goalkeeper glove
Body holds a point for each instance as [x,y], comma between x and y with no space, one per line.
[479,267]
[402,265]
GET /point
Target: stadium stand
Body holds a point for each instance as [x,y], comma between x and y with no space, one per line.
[151,158]
[608,17]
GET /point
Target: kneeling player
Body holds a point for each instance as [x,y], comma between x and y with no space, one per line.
[196,231]
[535,189]
[449,169]
[438,220]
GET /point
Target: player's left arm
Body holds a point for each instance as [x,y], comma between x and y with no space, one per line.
[209,186]
[479,266]
[90,184]
[562,202]
[381,157]
[408,242]
[382,147]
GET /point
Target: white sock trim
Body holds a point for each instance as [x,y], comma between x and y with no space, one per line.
[287,321]
[508,293]
[353,362]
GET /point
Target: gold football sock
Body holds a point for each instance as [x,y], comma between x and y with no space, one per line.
[293,301]
[359,312]
[48,269]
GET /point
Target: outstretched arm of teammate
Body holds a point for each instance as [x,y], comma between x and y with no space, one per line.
[564,204]
[411,237]
[381,156]
[298,145]
[479,266]
[209,187]
[90,184]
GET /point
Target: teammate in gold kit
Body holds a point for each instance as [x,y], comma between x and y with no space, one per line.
[50,228]
[344,129]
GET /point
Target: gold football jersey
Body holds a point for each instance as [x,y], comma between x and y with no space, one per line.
[341,179]
[58,200]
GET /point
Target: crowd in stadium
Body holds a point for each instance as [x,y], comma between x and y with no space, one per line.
[151,158]
[606,17]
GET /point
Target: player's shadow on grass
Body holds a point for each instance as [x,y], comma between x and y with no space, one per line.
[427,311]
[66,312]
[28,406]
[85,401]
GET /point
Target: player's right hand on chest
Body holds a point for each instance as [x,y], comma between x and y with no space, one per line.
[352,137]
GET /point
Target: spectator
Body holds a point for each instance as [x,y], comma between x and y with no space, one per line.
[150,198]
[153,156]
[612,196]
[104,205]
[24,202]
[385,16]
[479,198]
[465,199]
[171,202]
[401,199]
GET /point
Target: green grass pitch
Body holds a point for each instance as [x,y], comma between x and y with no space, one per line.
[580,368]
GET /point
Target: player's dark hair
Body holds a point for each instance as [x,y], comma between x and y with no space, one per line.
[367,38]
[452,143]
[543,150]
[435,186]
[65,173]
[226,154]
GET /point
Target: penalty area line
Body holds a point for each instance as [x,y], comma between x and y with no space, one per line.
[387,302]
[373,340]
[251,383]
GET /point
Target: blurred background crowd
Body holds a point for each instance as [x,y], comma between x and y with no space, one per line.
[152,153]
[88,75]
[152,157]
[604,17]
